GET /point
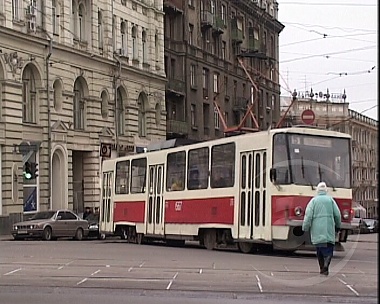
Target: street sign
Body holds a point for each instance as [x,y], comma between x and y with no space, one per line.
[308,117]
[105,150]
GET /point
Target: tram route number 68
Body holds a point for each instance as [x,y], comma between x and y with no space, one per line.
[178,206]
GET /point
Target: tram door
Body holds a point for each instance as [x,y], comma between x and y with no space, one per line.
[154,219]
[106,207]
[252,206]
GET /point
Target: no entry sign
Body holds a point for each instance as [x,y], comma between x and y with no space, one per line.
[308,117]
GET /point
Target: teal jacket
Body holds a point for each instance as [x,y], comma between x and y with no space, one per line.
[322,216]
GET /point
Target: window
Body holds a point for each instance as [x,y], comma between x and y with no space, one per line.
[114,32]
[216,83]
[225,85]
[122,177]
[156,47]
[141,102]
[138,175]
[104,104]
[57,95]
[29,96]
[124,39]
[176,167]
[192,75]
[191,32]
[191,3]
[223,165]
[120,113]
[82,23]
[134,43]
[205,82]
[224,50]
[193,110]
[144,47]
[16,9]
[198,167]
[54,19]
[216,118]
[78,106]
[224,13]
[212,7]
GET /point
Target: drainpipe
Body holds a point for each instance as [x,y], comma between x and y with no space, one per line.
[116,105]
[49,118]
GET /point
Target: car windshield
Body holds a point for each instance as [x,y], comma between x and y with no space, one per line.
[303,159]
[92,217]
[44,215]
[369,222]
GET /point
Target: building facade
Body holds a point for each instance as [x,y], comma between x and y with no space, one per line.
[203,41]
[332,112]
[75,76]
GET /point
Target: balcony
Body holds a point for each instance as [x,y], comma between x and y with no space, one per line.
[176,127]
[175,45]
[236,35]
[176,87]
[207,20]
[173,6]
[253,44]
[218,26]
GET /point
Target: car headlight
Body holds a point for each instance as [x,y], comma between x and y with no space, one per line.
[93,226]
[15,227]
[298,211]
[346,214]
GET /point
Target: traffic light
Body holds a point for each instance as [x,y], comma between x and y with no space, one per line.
[34,170]
[27,171]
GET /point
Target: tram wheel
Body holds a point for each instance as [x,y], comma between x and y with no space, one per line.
[245,247]
[209,239]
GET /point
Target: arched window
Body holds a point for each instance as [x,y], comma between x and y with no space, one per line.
[120,113]
[123,30]
[78,105]
[104,104]
[57,96]
[29,96]
[134,43]
[156,47]
[141,102]
[100,30]
[144,47]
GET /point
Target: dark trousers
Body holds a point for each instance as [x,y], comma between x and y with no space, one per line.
[324,254]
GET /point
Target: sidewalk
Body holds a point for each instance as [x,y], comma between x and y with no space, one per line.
[366,237]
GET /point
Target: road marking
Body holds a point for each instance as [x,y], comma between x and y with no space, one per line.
[213,265]
[130,269]
[349,287]
[84,280]
[67,264]
[13,271]
[171,281]
[141,265]
[271,274]
[108,266]
[343,275]
[361,271]
[259,283]
[94,273]
[200,270]
[286,268]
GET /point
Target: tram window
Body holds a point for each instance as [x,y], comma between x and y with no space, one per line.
[243,171]
[257,165]
[264,169]
[250,171]
[176,167]
[263,213]
[257,208]
[197,176]
[122,177]
[223,166]
[138,180]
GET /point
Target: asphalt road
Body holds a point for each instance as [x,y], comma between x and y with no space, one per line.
[113,271]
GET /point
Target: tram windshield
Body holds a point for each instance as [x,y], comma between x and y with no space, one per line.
[308,159]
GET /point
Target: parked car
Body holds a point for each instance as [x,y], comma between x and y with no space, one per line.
[368,226]
[93,226]
[50,225]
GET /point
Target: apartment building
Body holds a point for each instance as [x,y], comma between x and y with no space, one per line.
[203,41]
[75,76]
[332,111]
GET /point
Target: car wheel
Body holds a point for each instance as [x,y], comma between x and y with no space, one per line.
[79,234]
[101,236]
[47,234]
[18,238]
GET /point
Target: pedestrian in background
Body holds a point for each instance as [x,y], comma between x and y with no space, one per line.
[87,212]
[323,220]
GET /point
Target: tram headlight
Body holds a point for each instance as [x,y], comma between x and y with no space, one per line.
[298,211]
[346,214]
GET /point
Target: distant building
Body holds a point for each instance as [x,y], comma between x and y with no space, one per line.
[332,112]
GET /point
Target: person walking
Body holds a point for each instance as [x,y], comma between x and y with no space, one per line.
[323,220]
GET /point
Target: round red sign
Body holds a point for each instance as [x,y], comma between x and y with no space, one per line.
[308,117]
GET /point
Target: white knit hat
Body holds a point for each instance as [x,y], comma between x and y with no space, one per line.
[322,187]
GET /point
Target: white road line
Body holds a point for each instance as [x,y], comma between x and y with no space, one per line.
[130,269]
[200,270]
[259,283]
[213,265]
[108,266]
[286,268]
[171,281]
[349,287]
[343,275]
[67,264]
[141,265]
[13,271]
[361,271]
[94,273]
[84,280]
[271,274]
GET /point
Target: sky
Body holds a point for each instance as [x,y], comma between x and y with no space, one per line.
[331,45]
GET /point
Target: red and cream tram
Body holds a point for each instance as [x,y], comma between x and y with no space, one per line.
[249,189]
